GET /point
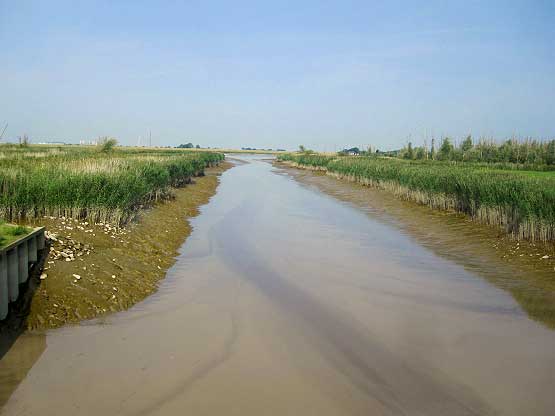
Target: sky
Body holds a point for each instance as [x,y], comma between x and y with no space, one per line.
[325,74]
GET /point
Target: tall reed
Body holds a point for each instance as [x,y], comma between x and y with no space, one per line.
[521,203]
[85,184]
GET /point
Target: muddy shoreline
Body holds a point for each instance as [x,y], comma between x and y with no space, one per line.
[523,268]
[94,269]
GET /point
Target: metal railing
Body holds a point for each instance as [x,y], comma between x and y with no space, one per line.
[15,261]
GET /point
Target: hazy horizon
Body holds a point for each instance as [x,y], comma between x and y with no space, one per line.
[324,74]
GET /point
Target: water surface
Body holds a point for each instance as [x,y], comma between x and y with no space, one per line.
[289,301]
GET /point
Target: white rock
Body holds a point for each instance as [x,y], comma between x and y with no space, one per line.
[77,276]
[545,257]
[43,276]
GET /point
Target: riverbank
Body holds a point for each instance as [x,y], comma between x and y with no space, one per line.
[521,203]
[94,269]
[524,269]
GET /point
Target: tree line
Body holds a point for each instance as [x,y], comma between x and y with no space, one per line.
[511,151]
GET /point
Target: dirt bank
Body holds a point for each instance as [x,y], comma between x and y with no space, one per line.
[93,269]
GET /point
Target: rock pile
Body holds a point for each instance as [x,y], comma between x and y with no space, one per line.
[66,249]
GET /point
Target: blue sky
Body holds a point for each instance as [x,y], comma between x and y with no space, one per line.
[326,74]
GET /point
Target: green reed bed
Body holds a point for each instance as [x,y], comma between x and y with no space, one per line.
[522,203]
[86,184]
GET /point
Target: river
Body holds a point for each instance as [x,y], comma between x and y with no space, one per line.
[288,300]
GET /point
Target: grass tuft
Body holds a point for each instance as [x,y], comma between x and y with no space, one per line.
[9,233]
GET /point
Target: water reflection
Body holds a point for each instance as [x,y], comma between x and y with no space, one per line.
[17,362]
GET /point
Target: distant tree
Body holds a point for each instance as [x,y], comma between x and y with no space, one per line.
[466,145]
[446,149]
[420,153]
[107,144]
[409,152]
[550,153]
[530,152]
[351,151]
[186,146]
[198,146]
[24,141]
[302,149]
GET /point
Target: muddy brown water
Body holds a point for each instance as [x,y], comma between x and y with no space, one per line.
[287,300]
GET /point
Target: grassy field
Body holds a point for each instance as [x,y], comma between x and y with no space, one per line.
[87,184]
[520,202]
[10,232]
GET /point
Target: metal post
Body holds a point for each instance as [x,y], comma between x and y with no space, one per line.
[40,240]
[13,274]
[23,253]
[32,246]
[4,297]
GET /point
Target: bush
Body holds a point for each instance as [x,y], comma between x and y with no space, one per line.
[106,144]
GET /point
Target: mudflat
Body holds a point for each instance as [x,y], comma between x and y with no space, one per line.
[114,268]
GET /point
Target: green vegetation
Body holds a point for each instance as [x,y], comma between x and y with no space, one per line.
[527,154]
[188,146]
[9,233]
[107,144]
[80,182]
[520,202]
